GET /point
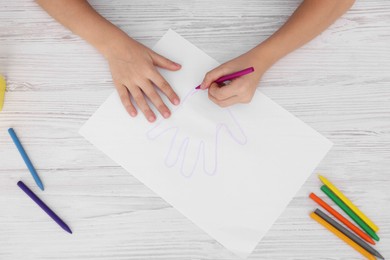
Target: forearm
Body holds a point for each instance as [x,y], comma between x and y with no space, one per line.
[83,20]
[309,20]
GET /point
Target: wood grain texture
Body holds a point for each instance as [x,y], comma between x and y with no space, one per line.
[339,84]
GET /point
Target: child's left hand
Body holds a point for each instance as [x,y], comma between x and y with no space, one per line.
[240,90]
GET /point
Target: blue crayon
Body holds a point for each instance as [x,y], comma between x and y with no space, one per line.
[25,158]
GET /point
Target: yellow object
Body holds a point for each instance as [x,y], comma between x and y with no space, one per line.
[2,91]
[349,203]
[341,236]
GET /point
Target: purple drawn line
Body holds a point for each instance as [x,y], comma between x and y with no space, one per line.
[183,155]
[201,148]
[219,129]
[175,135]
[182,149]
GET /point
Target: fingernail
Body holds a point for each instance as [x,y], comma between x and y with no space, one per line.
[177,64]
[176,101]
[151,118]
[133,113]
[166,114]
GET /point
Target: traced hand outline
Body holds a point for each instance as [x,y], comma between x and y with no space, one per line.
[197,142]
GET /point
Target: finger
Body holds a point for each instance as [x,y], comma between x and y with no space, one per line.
[213,75]
[225,92]
[164,86]
[177,149]
[159,129]
[162,62]
[209,155]
[125,99]
[234,128]
[190,157]
[153,96]
[142,104]
[226,102]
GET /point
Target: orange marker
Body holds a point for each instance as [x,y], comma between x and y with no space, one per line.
[341,218]
[343,237]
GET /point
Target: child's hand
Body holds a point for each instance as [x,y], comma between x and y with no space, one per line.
[240,90]
[134,74]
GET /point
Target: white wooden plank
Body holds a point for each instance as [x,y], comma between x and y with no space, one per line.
[338,83]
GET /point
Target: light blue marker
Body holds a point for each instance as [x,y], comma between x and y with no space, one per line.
[25,158]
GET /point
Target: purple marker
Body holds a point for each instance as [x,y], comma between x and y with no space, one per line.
[43,206]
[232,76]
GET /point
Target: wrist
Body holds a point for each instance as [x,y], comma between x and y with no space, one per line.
[114,44]
[265,56]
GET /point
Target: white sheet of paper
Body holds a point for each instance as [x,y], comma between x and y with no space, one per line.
[230,171]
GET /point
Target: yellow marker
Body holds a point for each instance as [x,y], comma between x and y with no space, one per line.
[2,91]
[341,236]
[349,203]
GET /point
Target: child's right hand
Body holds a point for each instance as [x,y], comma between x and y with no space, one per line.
[134,73]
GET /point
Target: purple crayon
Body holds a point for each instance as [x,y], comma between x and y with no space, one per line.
[44,207]
[232,76]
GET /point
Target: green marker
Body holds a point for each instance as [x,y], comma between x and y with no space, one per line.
[349,212]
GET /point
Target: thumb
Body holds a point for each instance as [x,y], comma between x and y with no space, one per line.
[233,127]
[158,129]
[162,62]
[213,75]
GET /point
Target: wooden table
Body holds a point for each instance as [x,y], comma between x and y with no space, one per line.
[339,84]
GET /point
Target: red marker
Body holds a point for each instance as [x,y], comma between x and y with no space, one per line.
[341,218]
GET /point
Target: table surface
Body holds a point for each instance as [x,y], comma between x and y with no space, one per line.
[338,84]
